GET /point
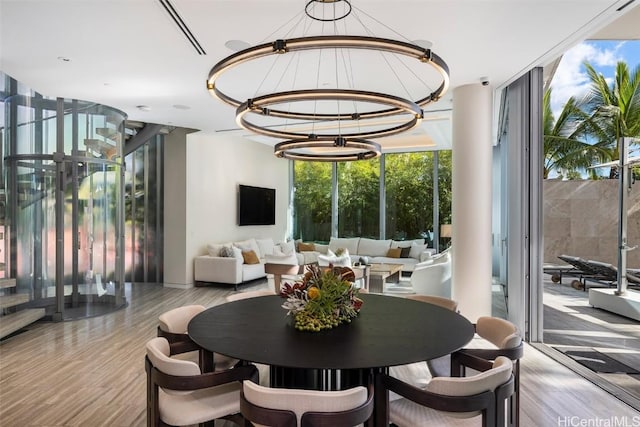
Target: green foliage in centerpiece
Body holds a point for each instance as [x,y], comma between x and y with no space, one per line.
[323,299]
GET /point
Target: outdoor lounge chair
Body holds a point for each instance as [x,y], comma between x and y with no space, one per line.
[596,271]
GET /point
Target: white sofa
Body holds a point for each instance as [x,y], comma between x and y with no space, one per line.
[224,263]
[375,250]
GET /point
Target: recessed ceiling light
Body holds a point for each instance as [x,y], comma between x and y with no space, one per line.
[64,59]
[237,45]
[181,107]
[143,107]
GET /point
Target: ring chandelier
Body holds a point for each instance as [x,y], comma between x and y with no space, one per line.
[260,106]
[302,146]
[312,149]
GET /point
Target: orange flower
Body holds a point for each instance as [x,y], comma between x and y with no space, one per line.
[313,292]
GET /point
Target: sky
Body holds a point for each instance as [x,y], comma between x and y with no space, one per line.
[571,78]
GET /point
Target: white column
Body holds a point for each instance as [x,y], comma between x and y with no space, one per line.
[471,202]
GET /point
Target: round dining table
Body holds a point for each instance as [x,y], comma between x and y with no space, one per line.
[388,331]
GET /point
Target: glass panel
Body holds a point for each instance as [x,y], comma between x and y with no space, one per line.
[444,193]
[312,201]
[38,165]
[96,207]
[359,199]
[409,195]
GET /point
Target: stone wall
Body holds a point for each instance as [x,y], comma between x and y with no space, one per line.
[581,219]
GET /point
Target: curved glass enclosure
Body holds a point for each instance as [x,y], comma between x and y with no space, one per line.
[64,177]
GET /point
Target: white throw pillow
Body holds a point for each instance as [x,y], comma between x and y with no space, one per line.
[349,243]
[321,248]
[288,247]
[344,260]
[237,253]
[265,246]
[416,250]
[214,249]
[249,245]
[373,247]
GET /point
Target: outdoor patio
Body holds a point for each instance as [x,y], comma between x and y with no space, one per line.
[585,333]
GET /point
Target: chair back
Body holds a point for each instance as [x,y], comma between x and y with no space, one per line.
[250,294]
[159,352]
[177,320]
[305,408]
[489,380]
[447,303]
[500,332]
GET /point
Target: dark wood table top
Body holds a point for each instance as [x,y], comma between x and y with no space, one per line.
[389,331]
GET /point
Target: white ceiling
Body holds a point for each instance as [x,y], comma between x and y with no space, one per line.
[126,53]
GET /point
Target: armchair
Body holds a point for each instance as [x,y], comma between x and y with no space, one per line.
[179,394]
[433,278]
[445,400]
[305,408]
[173,327]
[497,338]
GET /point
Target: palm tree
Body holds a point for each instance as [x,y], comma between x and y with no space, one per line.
[614,110]
[563,149]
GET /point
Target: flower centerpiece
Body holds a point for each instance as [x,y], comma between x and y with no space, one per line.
[322,299]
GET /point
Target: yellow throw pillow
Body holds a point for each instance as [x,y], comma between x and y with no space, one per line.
[250,257]
[394,252]
[306,247]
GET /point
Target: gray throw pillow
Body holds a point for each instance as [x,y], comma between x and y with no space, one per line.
[226,251]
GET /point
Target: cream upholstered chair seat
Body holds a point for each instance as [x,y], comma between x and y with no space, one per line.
[173,325]
[466,401]
[179,394]
[295,407]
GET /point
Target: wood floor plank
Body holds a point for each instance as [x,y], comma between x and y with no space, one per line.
[90,372]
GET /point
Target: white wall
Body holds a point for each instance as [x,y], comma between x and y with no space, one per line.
[175,208]
[215,165]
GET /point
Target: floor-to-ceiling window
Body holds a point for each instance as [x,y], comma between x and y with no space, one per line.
[411,189]
[398,196]
[312,201]
[359,199]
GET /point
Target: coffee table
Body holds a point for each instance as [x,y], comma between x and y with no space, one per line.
[379,274]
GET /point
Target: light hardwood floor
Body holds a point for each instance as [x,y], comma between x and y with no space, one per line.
[90,372]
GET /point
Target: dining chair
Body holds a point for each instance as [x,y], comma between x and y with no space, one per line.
[440,366]
[496,337]
[478,400]
[179,394]
[439,301]
[420,373]
[249,294]
[262,368]
[173,326]
[285,407]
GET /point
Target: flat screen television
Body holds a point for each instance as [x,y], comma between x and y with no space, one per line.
[256,205]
